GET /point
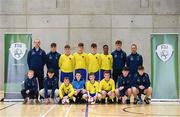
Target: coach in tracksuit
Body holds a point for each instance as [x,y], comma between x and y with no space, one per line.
[119,60]
[52,60]
[36,60]
[134,60]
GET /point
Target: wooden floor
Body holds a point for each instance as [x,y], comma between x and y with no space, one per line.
[156,109]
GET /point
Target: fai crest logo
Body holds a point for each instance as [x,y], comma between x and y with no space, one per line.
[18,50]
[164,52]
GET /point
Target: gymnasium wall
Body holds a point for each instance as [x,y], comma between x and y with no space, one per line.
[100,21]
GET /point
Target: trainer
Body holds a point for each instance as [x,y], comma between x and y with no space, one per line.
[36,60]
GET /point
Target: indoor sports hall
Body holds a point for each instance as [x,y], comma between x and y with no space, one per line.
[89,58]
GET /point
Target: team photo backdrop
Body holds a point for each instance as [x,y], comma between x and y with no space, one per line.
[164,62]
[15,49]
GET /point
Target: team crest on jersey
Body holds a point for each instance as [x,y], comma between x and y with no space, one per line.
[18,50]
[164,52]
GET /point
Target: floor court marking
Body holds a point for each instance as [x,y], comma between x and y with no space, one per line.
[7,106]
[48,111]
[126,110]
[101,114]
[67,112]
[86,112]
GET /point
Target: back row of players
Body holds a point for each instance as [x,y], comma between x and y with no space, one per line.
[129,80]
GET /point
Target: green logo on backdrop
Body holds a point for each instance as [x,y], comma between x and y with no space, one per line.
[18,50]
[164,52]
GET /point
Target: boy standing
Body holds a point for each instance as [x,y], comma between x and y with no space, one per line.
[106,62]
[52,60]
[94,61]
[66,64]
[119,60]
[80,61]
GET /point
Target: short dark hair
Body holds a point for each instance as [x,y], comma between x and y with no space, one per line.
[78,73]
[66,78]
[106,72]
[125,69]
[118,42]
[105,46]
[50,70]
[94,45]
[80,44]
[140,68]
[91,74]
[53,44]
[67,46]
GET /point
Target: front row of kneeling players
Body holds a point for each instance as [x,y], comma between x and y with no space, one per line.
[91,91]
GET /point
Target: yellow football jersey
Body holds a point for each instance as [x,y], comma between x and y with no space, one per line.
[94,62]
[106,61]
[67,90]
[107,85]
[80,60]
[92,87]
[66,63]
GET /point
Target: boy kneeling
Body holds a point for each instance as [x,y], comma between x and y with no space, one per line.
[123,87]
[92,88]
[107,88]
[66,92]
[141,85]
[50,91]
[30,90]
[78,85]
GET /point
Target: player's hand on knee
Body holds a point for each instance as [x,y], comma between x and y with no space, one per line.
[27,91]
[121,88]
[141,87]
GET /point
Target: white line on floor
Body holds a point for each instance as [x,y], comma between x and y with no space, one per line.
[67,112]
[48,111]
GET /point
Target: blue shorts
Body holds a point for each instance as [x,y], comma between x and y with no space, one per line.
[141,91]
[92,95]
[102,73]
[123,91]
[65,74]
[83,73]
